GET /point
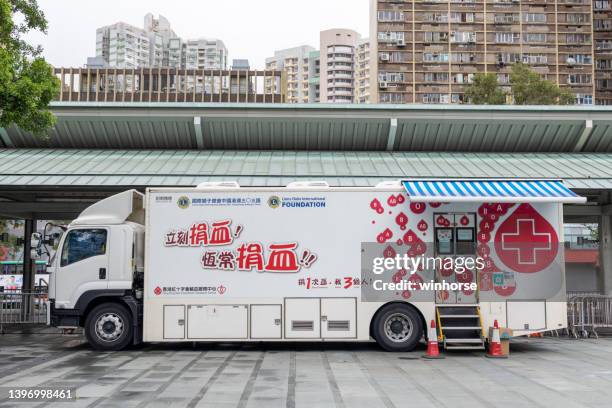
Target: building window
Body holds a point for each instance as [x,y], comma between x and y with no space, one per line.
[391,97]
[435,37]
[575,38]
[535,59]
[584,99]
[391,36]
[535,37]
[435,77]
[601,5]
[436,98]
[578,79]
[390,77]
[602,25]
[507,38]
[579,59]
[390,15]
[534,17]
[435,57]
[463,37]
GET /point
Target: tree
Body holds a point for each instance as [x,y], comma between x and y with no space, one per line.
[27,83]
[484,90]
[528,88]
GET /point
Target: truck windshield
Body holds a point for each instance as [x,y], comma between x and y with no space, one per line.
[82,244]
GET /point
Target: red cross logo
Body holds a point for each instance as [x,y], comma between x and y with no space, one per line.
[526,242]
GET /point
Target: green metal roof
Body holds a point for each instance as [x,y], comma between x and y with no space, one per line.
[53,168]
[323,127]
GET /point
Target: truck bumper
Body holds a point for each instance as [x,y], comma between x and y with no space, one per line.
[63,317]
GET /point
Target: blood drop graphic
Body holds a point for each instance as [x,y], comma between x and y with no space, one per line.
[389,252]
[422,226]
[435,205]
[392,201]
[401,220]
[375,205]
[400,199]
[442,221]
[410,238]
[526,242]
[486,226]
[464,220]
[417,208]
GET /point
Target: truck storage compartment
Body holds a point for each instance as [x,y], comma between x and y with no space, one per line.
[526,315]
[174,322]
[266,321]
[217,321]
[302,318]
[338,318]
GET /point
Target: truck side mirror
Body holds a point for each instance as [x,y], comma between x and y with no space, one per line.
[35,240]
[34,254]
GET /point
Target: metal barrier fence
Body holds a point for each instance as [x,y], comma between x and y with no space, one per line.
[17,307]
[588,313]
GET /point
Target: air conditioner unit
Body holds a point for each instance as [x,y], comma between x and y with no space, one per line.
[400,43]
[384,57]
[383,85]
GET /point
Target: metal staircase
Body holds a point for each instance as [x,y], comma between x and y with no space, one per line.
[460,327]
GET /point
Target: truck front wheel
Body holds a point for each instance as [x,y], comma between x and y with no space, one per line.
[108,327]
[397,327]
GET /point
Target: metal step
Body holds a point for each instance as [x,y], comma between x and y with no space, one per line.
[472,340]
[451,347]
[456,316]
[461,328]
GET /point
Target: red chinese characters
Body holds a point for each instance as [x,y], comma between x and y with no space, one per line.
[199,234]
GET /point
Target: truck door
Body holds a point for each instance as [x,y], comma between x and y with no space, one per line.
[82,266]
[455,237]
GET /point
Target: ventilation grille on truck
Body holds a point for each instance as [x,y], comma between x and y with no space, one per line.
[338,325]
[302,325]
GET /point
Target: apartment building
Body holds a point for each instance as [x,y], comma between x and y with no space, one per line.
[122,45]
[426,51]
[338,49]
[602,31]
[296,63]
[362,72]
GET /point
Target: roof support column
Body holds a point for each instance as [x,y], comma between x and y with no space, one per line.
[392,134]
[197,127]
[6,139]
[605,252]
[584,137]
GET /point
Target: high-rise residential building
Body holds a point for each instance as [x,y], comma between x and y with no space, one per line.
[314,76]
[426,51]
[337,73]
[338,49]
[362,72]
[602,30]
[296,63]
[122,45]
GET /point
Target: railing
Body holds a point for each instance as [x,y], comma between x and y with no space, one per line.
[170,85]
[17,307]
[586,313]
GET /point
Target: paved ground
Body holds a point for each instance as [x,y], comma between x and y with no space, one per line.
[540,373]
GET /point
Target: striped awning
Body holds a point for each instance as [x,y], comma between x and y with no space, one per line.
[490,191]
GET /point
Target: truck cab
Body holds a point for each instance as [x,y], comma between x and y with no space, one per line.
[97,274]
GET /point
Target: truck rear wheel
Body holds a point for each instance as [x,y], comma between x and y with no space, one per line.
[398,327]
[108,327]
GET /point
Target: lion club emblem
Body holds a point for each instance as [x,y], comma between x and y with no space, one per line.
[221,289]
[526,242]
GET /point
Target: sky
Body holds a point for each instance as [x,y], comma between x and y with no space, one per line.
[250,29]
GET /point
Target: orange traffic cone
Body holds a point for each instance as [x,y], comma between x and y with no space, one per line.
[432,343]
[495,349]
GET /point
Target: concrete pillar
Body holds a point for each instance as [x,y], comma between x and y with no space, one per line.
[28,271]
[605,254]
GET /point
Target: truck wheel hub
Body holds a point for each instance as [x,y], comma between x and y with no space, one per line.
[398,328]
[109,327]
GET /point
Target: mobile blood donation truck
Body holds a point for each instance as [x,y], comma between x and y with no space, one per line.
[220,262]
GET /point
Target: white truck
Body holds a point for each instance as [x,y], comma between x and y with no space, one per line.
[220,262]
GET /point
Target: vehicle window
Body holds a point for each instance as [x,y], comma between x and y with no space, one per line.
[83,244]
